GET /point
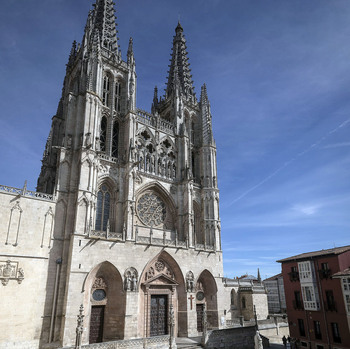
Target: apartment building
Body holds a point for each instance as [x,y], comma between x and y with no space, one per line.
[317,307]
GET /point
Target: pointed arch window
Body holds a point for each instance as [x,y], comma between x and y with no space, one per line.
[103,134]
[196,224]
[233,294]
[115,139]
[243,303]
[103,208]
[117,96]
[193,165]
[192,132]
[106,90]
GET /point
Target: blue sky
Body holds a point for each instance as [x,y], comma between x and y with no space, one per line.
[278,78]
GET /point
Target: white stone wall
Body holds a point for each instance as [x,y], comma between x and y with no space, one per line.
[23,305]
[261,307]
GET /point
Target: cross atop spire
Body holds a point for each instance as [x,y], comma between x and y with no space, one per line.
[103,22]
[180,72]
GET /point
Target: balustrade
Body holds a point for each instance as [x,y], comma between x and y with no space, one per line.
[151,120]
[29,193]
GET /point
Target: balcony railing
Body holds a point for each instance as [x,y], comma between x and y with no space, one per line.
[324,273]
[293,276]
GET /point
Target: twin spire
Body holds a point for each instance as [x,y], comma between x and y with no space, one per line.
[180,72]
[102,24]
[102,28]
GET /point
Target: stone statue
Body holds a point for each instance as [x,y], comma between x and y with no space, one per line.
[80,328]
[134,283]
[258,341]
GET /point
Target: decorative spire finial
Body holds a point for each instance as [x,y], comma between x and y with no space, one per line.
[180,72]
[130,53]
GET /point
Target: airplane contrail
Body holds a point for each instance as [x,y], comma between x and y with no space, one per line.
[273,174]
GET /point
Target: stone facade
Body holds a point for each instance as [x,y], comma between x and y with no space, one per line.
[128,220]
[244,299]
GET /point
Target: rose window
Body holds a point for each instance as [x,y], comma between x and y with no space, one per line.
[151,210]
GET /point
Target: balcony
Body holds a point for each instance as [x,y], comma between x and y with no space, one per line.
[293,276]
[324,273]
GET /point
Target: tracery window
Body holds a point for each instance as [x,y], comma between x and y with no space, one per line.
[103,134]
[103,208]
[151,210]
[115,139]
[106,90]
[117,96]
[193,165]
[192,132]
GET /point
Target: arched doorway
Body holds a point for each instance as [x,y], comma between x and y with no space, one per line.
[162,287]
[105,300]
[206,293]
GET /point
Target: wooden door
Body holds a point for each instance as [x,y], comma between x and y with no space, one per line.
[96,324]
[199,309]
[159,315]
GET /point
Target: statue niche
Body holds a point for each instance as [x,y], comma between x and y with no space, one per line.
[130,279]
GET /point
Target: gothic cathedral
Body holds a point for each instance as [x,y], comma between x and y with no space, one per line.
[127,202]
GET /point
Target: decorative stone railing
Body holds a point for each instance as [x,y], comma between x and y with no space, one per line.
[25,192]
[108,235]
[159,342]
[151,120]
[151,238]
[203,247]
[107,158]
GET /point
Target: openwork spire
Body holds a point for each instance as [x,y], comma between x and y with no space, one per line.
[103,22]
[180,72]
[207,132]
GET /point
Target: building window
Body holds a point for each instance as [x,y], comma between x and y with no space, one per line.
[293,275]
[232,298]
[330,302]
[317,326]
[309,298]
[117,96]
[305,270]
[324,272]
[301,327]
[297,303]
[106,90]
[319,346]
[102,210]
[243,303]
[103,134]
[115,139]
[347,302]
[335,331]
[192,132]
[193,165]
[346,284]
